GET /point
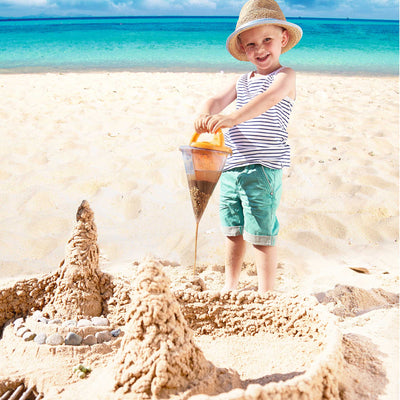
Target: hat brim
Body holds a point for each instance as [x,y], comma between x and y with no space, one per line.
[234,47]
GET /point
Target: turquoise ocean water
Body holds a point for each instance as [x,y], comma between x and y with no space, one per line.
[342,46]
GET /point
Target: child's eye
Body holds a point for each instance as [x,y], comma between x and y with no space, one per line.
[267,39]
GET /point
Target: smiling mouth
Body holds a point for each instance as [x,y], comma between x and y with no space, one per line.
[261,59]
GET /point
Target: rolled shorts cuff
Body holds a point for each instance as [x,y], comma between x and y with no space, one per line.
[259,240]
[232,230]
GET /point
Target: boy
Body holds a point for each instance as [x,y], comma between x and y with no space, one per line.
[251,183]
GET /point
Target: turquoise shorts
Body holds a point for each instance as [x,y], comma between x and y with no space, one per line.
[249,198]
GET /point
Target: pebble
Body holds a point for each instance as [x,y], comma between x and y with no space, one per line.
[22,330]
[37,315]
[90,340]
[55,339]
[40,338]
[18,322]
[73,339]
[100,321]
[55,322]
[16,328]
[103,336]
[70,322]
[116,332]
[28,336]
[83,322]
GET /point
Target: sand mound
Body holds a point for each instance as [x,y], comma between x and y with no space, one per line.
[158,356]
[78,287]
[350,301]
[364,376]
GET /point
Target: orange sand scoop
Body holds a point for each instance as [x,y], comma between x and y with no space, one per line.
[207,157]
[217,143]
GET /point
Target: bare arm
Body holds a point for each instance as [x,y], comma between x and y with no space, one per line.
[215,105]
[283,85]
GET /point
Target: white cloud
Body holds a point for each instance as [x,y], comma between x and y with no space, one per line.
[385,3]
[121,7]
[159,5]
[306,8]
[24,3]
[203,3]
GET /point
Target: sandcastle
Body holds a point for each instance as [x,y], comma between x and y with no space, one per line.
[158,356]
[77,292]
[155,352]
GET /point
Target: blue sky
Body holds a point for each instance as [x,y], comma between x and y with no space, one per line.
[374,9]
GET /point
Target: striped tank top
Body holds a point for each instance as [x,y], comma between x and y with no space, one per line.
[261,140]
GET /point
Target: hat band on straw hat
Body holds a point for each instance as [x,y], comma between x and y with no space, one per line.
[234,47]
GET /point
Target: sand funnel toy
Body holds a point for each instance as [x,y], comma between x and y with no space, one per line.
[204,162]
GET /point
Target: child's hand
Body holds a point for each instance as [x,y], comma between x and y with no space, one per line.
[219,121]
[200,124]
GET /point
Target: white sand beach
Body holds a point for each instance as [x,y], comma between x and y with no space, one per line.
[113,139]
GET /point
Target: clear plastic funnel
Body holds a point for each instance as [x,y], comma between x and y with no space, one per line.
[204,162]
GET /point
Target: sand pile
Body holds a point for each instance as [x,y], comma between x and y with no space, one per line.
[78,287]
[364,376]
[158,356]
[350,301]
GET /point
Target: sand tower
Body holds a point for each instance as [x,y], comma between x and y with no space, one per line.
[77,293]
[158,356]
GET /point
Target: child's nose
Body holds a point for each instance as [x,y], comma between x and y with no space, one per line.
[259,49]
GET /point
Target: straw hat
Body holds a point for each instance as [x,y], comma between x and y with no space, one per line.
[261,12]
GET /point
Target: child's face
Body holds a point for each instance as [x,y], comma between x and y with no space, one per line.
[263,46]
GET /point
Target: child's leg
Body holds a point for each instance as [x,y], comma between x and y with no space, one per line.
[266,262]
[235,249]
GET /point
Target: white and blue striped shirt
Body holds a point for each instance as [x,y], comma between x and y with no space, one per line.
[261,140]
